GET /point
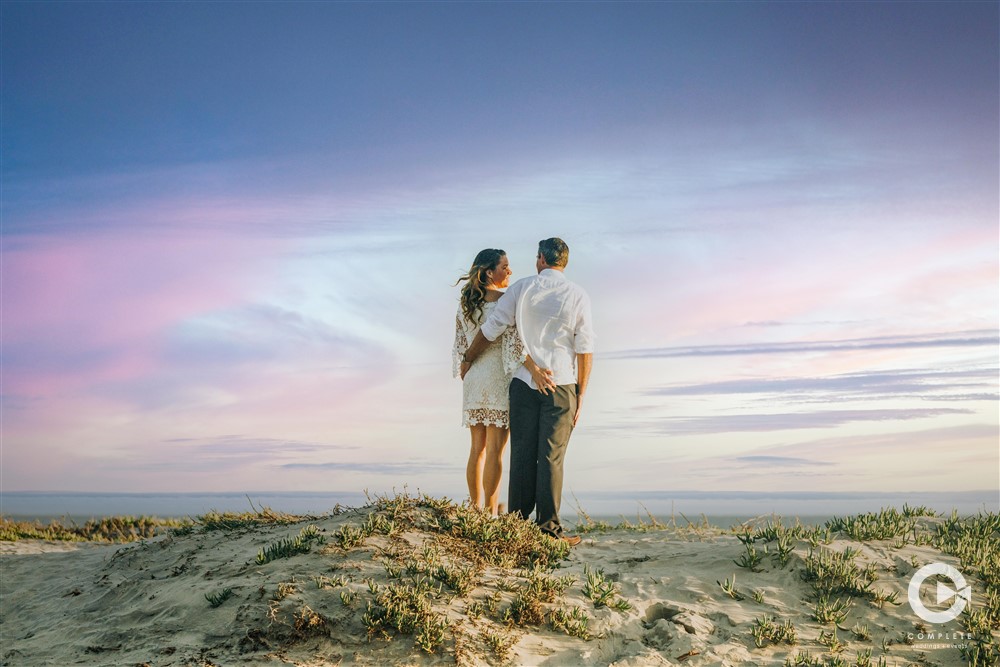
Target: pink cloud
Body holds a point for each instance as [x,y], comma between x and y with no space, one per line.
[873,276]
[79,309]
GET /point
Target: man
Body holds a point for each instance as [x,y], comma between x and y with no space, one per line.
[553,319]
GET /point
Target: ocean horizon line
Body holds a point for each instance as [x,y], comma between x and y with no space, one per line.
[632,492]
[47,505]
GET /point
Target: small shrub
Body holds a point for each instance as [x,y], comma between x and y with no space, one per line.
[499,642]
[216,599]
[766,631]
[573,622]
[288,547]
[729,588]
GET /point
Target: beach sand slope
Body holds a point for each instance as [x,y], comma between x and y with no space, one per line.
[145,603]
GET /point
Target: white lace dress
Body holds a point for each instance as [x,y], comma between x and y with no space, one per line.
[484,390]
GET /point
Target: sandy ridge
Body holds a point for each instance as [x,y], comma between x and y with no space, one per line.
[144,603]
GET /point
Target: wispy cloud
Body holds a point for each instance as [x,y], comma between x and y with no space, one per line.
[218,455]
[768,422]
[267,333]
[235,446]
[779,461]
[924,459]
[888,384]
[976,338]
[98,306]
[405,468]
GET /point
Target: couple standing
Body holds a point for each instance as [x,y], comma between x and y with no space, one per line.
[524,356]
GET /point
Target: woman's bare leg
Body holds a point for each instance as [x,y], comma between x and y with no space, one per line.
[474,469]
[496,441]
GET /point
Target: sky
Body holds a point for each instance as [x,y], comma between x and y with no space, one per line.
[230,235]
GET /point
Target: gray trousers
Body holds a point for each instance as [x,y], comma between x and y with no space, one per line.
[540,426]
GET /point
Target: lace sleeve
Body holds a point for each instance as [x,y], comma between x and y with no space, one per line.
[513,350]
[459,348]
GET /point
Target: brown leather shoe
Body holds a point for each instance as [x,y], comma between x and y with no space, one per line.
[571,540]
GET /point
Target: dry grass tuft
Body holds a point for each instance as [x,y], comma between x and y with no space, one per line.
[107,529]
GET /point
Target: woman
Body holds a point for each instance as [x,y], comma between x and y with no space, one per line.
[485,405]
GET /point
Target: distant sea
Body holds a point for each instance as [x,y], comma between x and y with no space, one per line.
[719,508]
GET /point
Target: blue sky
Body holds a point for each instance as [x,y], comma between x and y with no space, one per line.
[230,235]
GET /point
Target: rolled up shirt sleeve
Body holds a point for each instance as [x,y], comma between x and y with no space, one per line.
[583,336]
[501,317]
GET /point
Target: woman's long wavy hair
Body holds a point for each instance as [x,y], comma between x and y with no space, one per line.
[474,290]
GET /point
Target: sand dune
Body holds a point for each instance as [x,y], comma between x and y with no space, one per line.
[144,603]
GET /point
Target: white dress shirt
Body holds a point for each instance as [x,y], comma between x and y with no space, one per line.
[553,319]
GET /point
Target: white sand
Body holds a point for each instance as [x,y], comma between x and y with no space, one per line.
[144,603]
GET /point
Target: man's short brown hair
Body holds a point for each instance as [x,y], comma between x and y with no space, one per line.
[554,251]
